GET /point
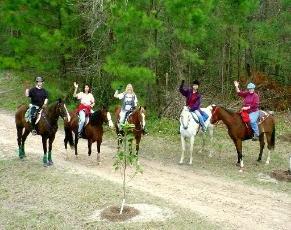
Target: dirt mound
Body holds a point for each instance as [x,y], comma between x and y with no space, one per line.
[281,175]
[112,213]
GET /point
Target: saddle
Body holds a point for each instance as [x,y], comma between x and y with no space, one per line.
[263,115]
[29,116]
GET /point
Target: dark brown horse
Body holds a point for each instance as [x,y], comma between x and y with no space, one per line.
[47,127]
[93,131]
[136,117]
[240,131]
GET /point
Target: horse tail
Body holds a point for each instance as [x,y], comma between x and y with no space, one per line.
[273,138]
[68,136]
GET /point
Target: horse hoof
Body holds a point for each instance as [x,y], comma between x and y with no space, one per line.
[267,162]
[50,163]
[240,170]
[45,165]
[237,164]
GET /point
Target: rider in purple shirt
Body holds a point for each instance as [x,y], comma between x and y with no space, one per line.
[251,102]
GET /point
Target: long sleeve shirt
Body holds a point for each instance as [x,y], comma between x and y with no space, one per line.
[250,99]
[193,100]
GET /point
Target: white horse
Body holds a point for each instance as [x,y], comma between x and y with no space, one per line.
[189,129]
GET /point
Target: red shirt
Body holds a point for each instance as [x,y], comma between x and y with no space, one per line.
[250,99]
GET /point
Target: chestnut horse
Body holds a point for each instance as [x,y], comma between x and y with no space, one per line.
[136,117]
[240,131]
[47,127]
[93,131]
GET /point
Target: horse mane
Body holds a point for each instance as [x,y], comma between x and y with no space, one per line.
[228,110]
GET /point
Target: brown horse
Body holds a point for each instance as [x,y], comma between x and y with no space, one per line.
[47,127]
[93,131]
[240,131]
[136,117]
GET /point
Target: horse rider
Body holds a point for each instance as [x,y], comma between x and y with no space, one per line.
[193,100]
[129,102]
[39,99]
[87,102]
[251,101]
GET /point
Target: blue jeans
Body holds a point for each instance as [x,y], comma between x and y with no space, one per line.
[254,116]
[82,117]
[201,121]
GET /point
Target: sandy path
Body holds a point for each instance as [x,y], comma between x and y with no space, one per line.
[232,204]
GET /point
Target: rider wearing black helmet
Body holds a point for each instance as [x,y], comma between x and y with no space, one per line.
[39,99]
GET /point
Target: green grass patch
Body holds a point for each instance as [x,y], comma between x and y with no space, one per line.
[34,197]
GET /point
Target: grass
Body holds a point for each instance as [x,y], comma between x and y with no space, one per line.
[34,197]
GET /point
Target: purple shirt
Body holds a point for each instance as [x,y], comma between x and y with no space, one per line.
[193,100]
[250,99]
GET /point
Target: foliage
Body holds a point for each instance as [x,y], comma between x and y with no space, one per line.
[151,44]
[126,157]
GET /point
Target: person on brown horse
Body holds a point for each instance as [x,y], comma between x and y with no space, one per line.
[39,99]
[251,103]
[193,101]
[85,108]
[129,103]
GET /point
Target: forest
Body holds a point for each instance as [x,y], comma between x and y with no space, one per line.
[153,44]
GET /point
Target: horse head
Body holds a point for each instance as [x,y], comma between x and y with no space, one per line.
[137,117]
[215,114]
[61,110]
[185,117]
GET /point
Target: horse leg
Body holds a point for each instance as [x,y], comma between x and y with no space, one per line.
[183,149]
[210,128]
[89,147]
[44,146]
[23,139]
[137,141]
[238,145]
[76,143]
[51,140]
[192,139]
[262,145]
[269,146]
[98,151]
[19,138]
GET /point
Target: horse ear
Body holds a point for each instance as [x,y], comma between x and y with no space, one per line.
[145,108]
[139,108]
[60,100]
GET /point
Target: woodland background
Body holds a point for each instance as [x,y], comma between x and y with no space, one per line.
[153,44]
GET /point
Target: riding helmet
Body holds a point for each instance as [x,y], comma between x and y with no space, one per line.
[251,86]
[195,82]
[39,79]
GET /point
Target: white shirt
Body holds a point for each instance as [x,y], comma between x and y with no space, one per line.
[129,97]
[86,99]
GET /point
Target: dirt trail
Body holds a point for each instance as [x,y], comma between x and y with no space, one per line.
[231,204]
